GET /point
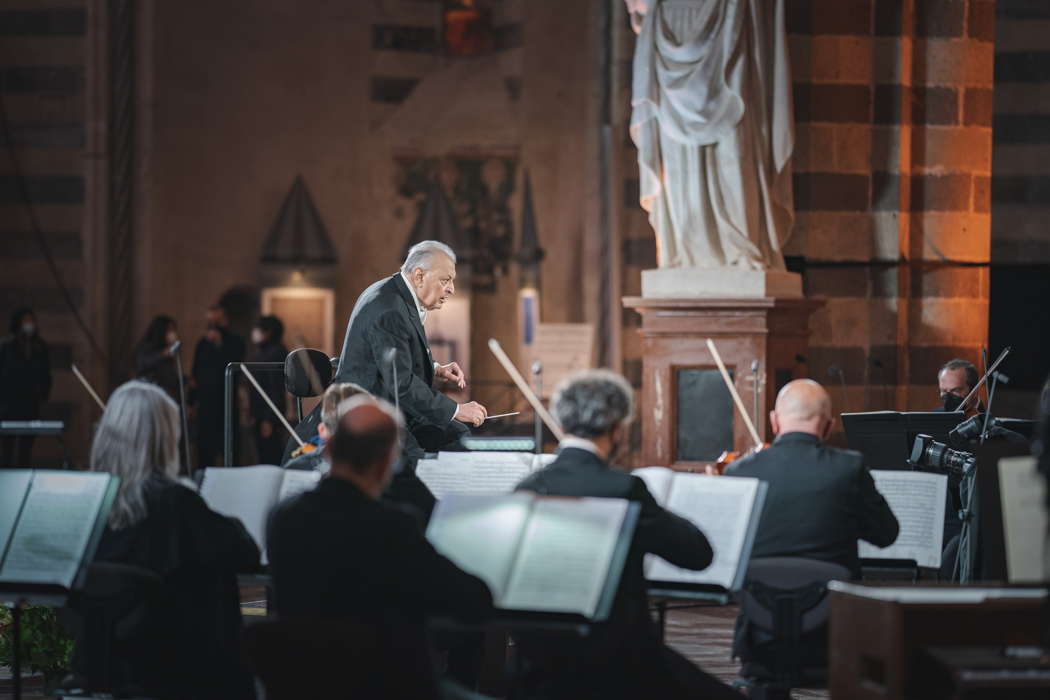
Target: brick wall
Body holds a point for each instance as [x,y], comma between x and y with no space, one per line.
[893,109]
[42,78]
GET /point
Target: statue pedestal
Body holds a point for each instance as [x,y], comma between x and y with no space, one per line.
[687,413]
[675,282]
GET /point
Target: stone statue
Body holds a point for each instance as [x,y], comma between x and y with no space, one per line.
[713,124]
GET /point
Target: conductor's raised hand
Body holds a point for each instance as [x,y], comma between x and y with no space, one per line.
[472,412]
[451,373]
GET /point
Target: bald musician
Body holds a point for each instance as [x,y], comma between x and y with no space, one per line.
[821,500]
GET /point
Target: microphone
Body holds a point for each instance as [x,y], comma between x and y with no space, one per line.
[390,355]
[175,347]
[835,370]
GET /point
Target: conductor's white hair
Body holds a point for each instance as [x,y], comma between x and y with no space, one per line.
[422,255]
[591,403]
[137,440]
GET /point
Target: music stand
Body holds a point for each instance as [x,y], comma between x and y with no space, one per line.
[885,438]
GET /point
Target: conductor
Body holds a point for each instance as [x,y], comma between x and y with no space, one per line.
[385,333]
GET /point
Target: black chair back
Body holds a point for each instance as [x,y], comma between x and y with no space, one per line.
[307,372]
[784,611]
[307,658]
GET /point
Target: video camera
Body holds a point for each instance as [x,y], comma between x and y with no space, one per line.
[927,453]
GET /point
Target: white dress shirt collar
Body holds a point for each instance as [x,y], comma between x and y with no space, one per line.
[420,309]
[579,443]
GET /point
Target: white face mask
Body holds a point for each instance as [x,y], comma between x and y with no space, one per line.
[257,336]
[28,329]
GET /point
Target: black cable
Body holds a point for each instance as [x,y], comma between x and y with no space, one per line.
[34,225]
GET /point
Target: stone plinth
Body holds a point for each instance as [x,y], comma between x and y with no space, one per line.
[686,412]
[679,282]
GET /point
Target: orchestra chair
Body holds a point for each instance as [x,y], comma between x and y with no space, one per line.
[108,616]
[781,635]
[307,373]
[339,658]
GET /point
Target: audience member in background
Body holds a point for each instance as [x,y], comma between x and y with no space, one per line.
[270,436]
[218,348]
[624,657]
[340,552]
[154,359]
[25,383]
[187,644]
[820,500]
[335,395]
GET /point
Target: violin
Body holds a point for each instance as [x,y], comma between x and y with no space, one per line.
[729,456]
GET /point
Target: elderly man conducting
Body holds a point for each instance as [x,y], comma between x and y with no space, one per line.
[386,331]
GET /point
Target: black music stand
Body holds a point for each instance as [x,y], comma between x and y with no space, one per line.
[37,428]
[885,438]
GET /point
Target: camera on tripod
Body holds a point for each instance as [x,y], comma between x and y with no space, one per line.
[927,453]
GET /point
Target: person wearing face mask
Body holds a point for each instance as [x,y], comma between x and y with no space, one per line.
[25,383]
[155,355]
[219,347]
[955,380]
[624,657]
[268,346]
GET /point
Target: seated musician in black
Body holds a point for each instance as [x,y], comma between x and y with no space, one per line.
[340,552]
[820,500]
[624,657]
[333,396]
[187,642]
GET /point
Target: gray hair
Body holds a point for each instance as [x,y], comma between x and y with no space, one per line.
[137,439]
[422,255]
[591,403]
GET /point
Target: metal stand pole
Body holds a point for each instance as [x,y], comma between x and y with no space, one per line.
[537,421]
[185,423]
[228,418]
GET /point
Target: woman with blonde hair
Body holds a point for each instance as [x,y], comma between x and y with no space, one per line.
[188,642]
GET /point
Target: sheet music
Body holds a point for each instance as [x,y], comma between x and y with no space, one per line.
[14,483]
[657,480]
[297,481]
[246,493]
[935,595]
[477,473]
[722,508]
[1022,490]
[57,520]
[564,557]
[917,499]
[481,534]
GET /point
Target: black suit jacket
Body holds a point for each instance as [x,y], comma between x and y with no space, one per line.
[628,639]
[384,317]
[335,552]
[820,501]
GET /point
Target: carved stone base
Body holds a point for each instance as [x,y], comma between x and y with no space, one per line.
[686,412]
[677,282]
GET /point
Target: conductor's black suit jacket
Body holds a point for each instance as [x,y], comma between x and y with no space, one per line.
[384,317]
[628,645]
[820,501]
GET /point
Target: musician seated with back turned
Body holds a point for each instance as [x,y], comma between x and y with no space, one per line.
[338,552]
[623,657]
[820,499]
[313,459]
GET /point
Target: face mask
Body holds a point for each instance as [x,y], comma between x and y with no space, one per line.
[28,329]
[170,337]
[951,402]
[257,336]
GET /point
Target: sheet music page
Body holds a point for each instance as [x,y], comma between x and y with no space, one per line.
[1022,490]
[297,481]
[480,473]
[57,520]
[657,480]
[14,483]
[481,534]
[564,557]
[246,493]
[917,499]
[721,507]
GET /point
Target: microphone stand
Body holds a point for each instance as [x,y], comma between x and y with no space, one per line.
[182,404]
[537,420]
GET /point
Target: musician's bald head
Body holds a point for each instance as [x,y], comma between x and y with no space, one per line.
[803,406]
[366,443]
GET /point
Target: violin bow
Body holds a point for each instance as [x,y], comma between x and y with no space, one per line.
[280,416]
[732,391]
[523,387]
[87,385]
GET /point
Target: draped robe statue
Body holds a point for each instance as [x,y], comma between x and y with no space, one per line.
[712,120]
